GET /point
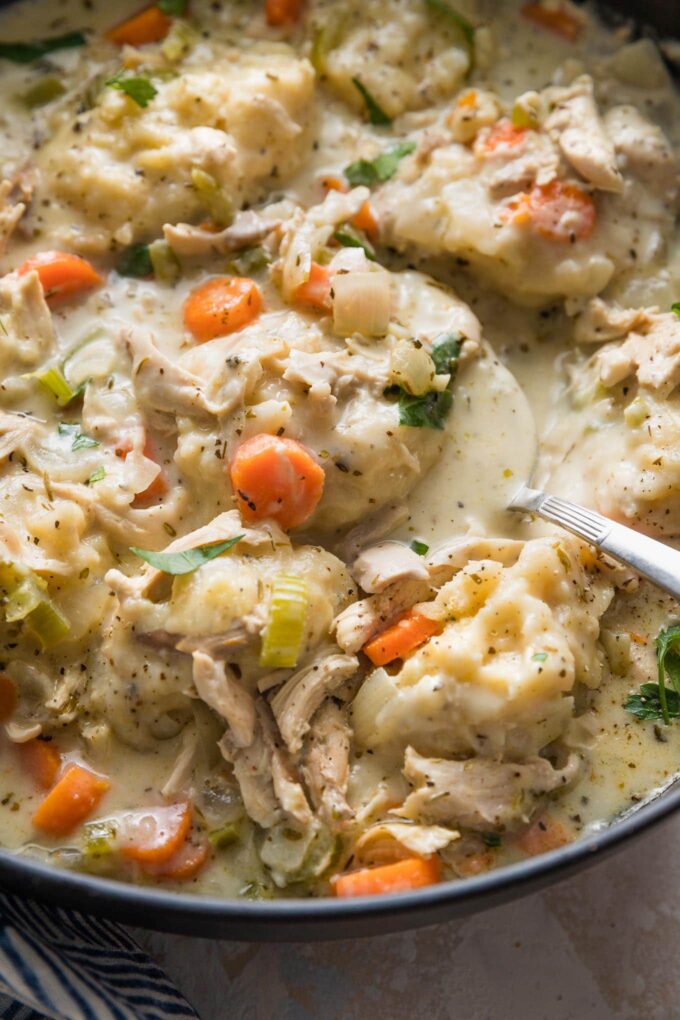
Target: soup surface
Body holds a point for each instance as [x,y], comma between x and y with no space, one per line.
[293,296]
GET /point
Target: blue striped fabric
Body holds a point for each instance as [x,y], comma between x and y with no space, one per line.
[64,965]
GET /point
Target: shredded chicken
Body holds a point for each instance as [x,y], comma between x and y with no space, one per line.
[27,333]
[576,125]
[480,793]
[601,322]
[247,229]
[10,213]
[388,563]
[326,766]
[218,687]
[643,147]
[653,355]
[295,703]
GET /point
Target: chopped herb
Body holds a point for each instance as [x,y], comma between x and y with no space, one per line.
[138,89]
[348,239]
[461,22]
[446,352]
[26,53]
[675,307]
[646,704]
[136,262]
[175,8]
[539,656]
[376,114]
[668,661]
[492,839]
[96,476]
[380,169]
[80,441]
[419,547]
[429,411]
[187,561]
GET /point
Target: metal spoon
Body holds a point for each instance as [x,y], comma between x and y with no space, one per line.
[659,563]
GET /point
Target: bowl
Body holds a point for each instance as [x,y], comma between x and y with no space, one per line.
[320,919]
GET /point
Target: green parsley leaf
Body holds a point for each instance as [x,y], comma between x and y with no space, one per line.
[419,547]
[136,262]
[348,239]
[675,307]
[26,53]
[80,440]
[492,839]
[429,411]
[668,661]
[539,656]
[646,704]
[139,89]
[376,114]
[461,22]
[175,8]
[187,561]
[380,169]
[96,476]
[446,352]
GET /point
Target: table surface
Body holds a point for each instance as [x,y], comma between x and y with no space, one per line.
[603,944]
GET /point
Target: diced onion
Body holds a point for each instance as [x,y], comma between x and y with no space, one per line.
[361,303]
[412,368]
[286,623]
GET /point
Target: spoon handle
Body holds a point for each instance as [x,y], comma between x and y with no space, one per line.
[659,563]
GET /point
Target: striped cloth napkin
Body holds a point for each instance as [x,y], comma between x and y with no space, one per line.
[67,966]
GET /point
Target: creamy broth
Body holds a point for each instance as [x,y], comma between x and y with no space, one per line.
[160,683]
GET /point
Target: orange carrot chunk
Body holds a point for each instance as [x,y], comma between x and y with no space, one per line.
[8,697]
[69,803]
[41,760]
[277,479]
[149,26]
[61,275]
[502,136]
[411,873]
[220,306]
[558,211]
[316,291]
[332,183]
[543,835]
[365,220]
[283,12]
[554,19]
[153,835]
[186,862]
[410,630]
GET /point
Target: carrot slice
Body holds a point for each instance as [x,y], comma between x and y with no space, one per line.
[316,291]
[365,220]
[74,797]
[543,835]
[503,135]
[184,863]
[558,211]
[410,630]
[276,478]
[152,835]
[283,12]
[8,697]
[554,19]
[41,760]
[150,25]
[332,183]
[411,873]
[61,275]
[223,305]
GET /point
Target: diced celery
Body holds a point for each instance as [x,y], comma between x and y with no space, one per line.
[99,838]
[42,92]
[215,200]
[326,38]
[249,261]
[54,382]
[24,600]
[48,624]
[166,265]
[179,41]
[225,836]
[286,623]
